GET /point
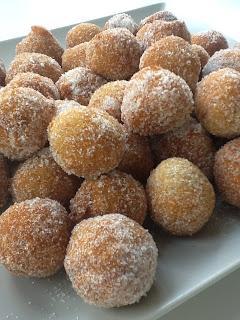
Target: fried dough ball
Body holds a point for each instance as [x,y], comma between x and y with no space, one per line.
[34,62]
[34,237]
[114,54]
[111,260]
[202,54]
[156,101]
[228,58]
[74,57]
[4,181]
[39,83]
[190,141]
[137,159]
[109,98]
[41,40]
[122,20]
[160,15]
[211,41]
[175,54]
[158,29]
[40,176]
[110,193]
[24,118]
[217,103]
[86,142]
[180,196]
[79,84]
[227,172]
[82,32]
[2,73]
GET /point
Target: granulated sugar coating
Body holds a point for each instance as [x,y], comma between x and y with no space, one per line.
[190,141]
[109,98]
[217,103]
[211,41]
[34,62]
[156,101]
[39,83]
[175,54]
[110,193]
[4,178]
[111,260]
[228,58]
[61,105]
[227,172]
[82,32]
[2,73]
[160,15]
[41,40]
[237,45]
[24,118]
[34,237]
[74,57]
[180,196]
[114,54]
[158,29]
[86,142]
[40,176]
[202,53]
[137,159]
[122,20]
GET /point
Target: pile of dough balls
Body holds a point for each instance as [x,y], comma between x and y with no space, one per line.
[123,123]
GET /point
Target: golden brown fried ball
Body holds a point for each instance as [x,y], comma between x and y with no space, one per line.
[86,142]
[156,101]
[34,237]
[34,62]
[79,84]
[110,193]
[217,103]
[114,54]
[122,20]
[109,98]
[41,40]
[82,32]
[111,260]
[4,181]
[24,118]
[40,176]
[191,142]
[2,73]
[202,53]
[74,57]
[39,83]
[158,29]
[180,196]
[227,172]
[175,54]
[160,15]
[211,41]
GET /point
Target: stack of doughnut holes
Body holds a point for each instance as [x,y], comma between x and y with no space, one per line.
[123,123]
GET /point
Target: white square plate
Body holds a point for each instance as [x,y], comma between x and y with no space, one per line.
[186,265]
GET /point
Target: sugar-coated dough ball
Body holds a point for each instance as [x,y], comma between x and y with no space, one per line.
[191,142]
[122,20]
[159,15]
[2,73]
[82,32]
[41,40]
[79,84]
[109,98]
[111,260]
[74,57]
[86,142]
[4,181]
[40,176]
[114,54]
[34,237]
[24,118]
[158,29]
[217,103]
[227,172]
[39,83]
[202,53]
[34,62]
[175,54]
[211,41]
[156,101]
[180,196]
